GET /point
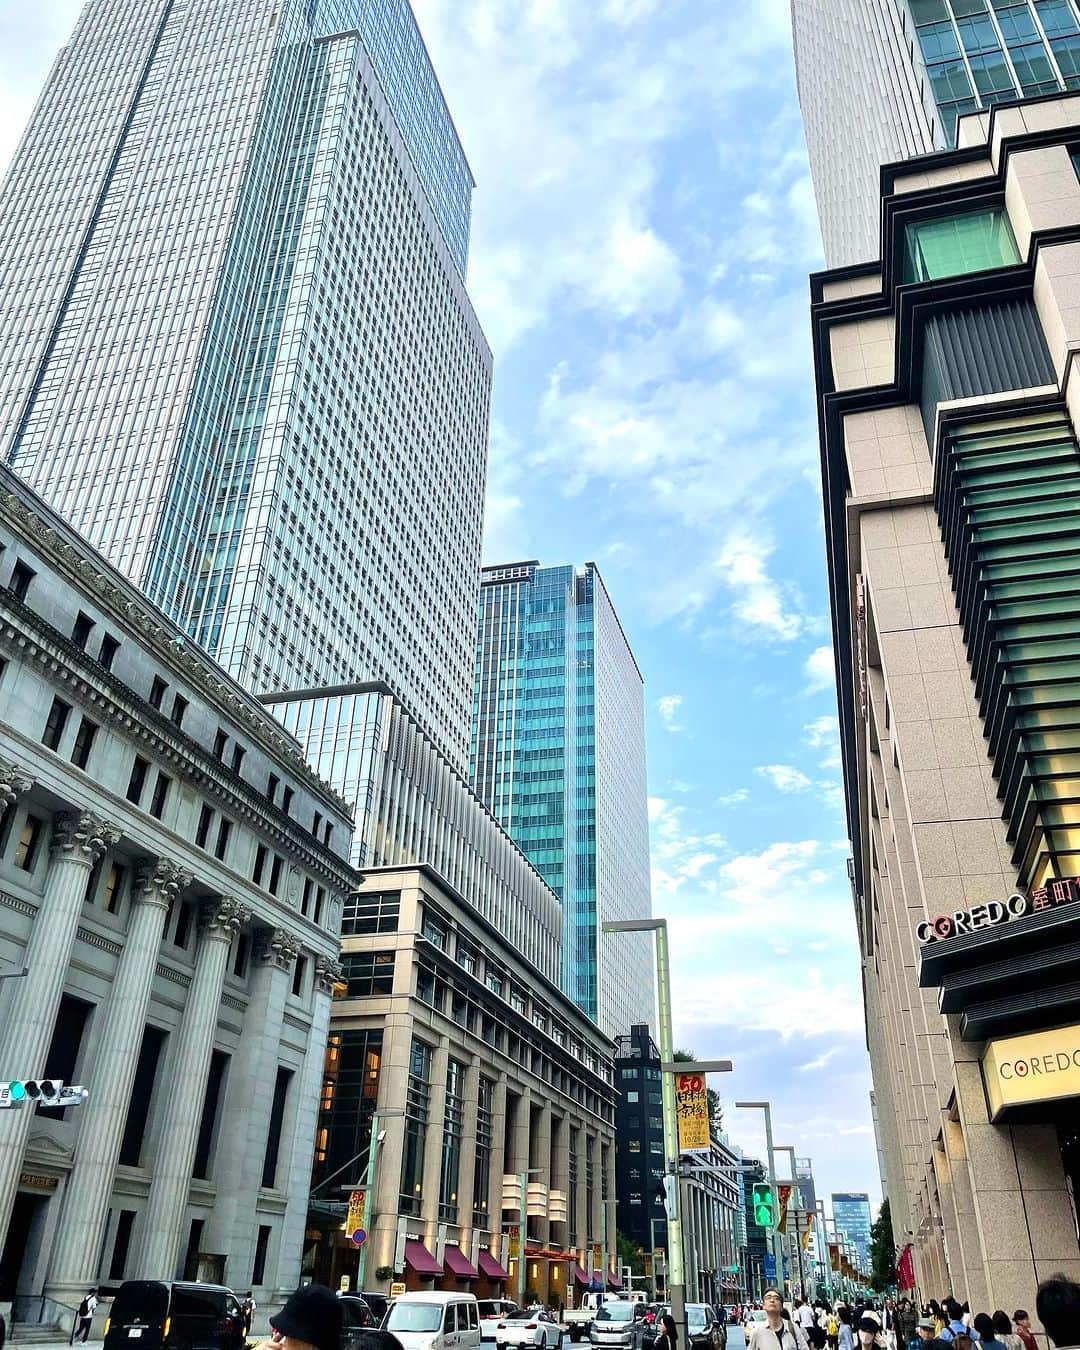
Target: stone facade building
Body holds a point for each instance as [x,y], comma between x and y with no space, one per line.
[171,879]
[480,1068]
[948,412]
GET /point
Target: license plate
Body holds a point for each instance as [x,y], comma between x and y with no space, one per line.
[134,1331]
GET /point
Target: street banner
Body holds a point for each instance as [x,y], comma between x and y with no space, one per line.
[692,1112]
[355,1218]
[783,1195]
[905,1269]
[806,1236]
[597,1256]
[514,1243]
[648,1264]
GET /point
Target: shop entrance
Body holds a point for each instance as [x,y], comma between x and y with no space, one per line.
[22,1244]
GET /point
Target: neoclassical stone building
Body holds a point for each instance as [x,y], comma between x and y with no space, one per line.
[171,883]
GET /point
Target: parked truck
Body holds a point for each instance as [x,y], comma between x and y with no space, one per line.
[578,1320]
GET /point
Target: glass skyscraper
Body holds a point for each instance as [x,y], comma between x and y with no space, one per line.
[851,1214]
[558,754]
[235,346]
[883,80]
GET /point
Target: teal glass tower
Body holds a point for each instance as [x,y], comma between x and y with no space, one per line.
[558,755]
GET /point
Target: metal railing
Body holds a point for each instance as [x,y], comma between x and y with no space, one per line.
[37,1310]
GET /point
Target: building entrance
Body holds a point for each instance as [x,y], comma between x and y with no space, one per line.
[22,1243]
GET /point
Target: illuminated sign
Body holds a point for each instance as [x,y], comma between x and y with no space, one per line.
[1058,891]
[1041,1067]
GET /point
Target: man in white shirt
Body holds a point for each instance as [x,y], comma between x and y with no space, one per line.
[804,1314]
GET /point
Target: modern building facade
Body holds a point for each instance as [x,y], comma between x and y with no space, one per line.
[252,378]
[496,1073]
[711,1186]
[884,80]
[558,754]
[756,1243]
[948,420]
[172,877]
[639,1141]
[851,1215]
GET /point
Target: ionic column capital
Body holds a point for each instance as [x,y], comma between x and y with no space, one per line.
[275,947]
[158,881]
[14,782]
[328,972]
[82,837]
[222,918]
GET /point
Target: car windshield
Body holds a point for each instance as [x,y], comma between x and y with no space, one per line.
[141,1301]
[615,1312]
[695,1318]
[415,1317]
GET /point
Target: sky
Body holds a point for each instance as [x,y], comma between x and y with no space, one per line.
[643,227]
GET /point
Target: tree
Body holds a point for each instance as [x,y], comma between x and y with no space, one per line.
[882,1251]
[716,1111]
[629,1254]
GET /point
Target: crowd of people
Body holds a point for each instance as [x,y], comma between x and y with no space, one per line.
[899,1325]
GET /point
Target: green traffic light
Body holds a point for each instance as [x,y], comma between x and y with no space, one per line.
[17,1091]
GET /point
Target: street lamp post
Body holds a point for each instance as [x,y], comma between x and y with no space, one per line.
[676,1277]
[377,1136]
[777,1245]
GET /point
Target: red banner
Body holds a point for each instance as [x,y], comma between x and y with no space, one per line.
[905,1269]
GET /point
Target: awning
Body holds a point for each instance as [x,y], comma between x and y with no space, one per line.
[580,1277]
[421,1260]
[613,1281]
[457,1263]
[490,1267]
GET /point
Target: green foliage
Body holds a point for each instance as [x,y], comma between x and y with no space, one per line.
[629,1254]
[882,1251]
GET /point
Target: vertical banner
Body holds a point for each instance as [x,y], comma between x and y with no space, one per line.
[692,1112]
[783,1195]
[355,1218]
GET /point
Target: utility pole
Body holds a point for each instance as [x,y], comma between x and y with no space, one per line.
[770,1153]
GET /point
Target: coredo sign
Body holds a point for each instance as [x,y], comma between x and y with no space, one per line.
[1060,891]
[1043,1066]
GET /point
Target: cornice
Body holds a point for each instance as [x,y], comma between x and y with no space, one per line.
[26,634]
[168,643]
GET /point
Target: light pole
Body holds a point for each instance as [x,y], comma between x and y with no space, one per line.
[777,1245]
[668,1068]
[377,1136]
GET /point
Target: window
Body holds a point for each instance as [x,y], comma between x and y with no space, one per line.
[328,833]
[206,819]
[139,769]
[634,1145]
[451,1151]
[107,654]
[142,1095]
[179,708]
[367,974]
[320,897]
[494,978]
[517,999]
[376,912]
[222,845]
[161,795]
[29,843]
[299,972]
[262,1250]
[275,875]
[219,1065]
[305,899]
[631,1096]
[122,1241]
[350,1090]
[435,931]
[273,1133]
[80,633]
[272,784]
[466,956]
[183,925]
[237,757]
[286,799]
[949,246]
[316,821]
[482,1166]
[84,743]
[21,577]
[240,960]
[113,895]
[220,742]
[417,1103]
[62,1059]
[157,691]
[260,865]
[55,724]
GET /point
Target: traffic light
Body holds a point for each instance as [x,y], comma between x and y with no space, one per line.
[44,1091]
[763,1202]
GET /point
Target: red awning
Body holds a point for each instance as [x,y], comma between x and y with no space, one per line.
[457,1263]
[490,1267]
[613,1281]
[580,1277]
[421,1260]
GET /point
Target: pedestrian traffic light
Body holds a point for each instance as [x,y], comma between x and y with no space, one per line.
[43,1091]
[763,1203]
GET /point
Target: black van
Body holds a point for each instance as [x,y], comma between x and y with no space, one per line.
[162,1315]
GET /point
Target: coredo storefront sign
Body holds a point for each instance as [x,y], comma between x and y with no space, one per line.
[1043,1066]
[1061,891]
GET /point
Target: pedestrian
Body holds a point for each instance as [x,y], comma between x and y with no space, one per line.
[667,1338]
[777,1332]
[926,1330]
[804,1316]
[955,1325]
[311,1317]
[1057,1305]
[905,1324]
[983,1326]
[845,1335]
[1022,1323]
[870,1334]
[938,1316]
[832,1329]
[247,1307]
[84,1318]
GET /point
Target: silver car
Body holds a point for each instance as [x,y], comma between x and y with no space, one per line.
[618,1324]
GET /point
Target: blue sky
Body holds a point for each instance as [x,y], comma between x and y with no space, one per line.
[643,227]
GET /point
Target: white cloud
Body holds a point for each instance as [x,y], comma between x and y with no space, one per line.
[820,1061]
[735,798]
[820,670]
[785,777]
[668,707]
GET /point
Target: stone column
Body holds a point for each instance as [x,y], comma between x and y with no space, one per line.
[541,1159]
[309,1090]
[433,1142]
[78,841]
[245,1121]
[498,1161]
[188,1070]
[596,1220]
[102,1118]
[580,1145]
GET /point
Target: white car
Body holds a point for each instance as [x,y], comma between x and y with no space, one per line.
[532,1326]
[754,1318]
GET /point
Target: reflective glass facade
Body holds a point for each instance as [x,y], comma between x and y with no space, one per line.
[558,753]
[237,351]
[851,1214]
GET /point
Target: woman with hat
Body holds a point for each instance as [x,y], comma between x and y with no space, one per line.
[870,1336]
[310,1320]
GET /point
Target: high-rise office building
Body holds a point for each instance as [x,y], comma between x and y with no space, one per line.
[237,352]
[851,1214]
[558,753]
[883,80]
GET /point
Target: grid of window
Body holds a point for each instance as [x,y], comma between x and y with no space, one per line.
[482,1168]
[417,1105]
[451,1148]
[350,1091]
[367,974]
[371,912]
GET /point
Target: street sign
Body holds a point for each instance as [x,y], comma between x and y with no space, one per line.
[397,1288]
[359,1237]
[345,1284]
[770,1266]
[692,1112]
